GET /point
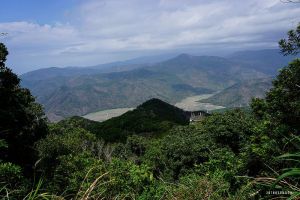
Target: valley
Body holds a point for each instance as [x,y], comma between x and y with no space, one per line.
[240,94]
[65,92]
[191,103]
[194,103]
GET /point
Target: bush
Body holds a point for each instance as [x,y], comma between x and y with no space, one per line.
[62,142]
[13,185]
[201,187]
[75,174]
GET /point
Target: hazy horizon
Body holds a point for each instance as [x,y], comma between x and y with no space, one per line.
[87,33]
[159,57]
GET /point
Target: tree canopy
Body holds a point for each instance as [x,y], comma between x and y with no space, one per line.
[291,45]
[22,121]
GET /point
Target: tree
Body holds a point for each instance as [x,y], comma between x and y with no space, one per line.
[283,100]
[22,121]
[282,103]
[291,45]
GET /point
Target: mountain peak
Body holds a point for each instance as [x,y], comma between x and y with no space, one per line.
[184,55]
[154,102]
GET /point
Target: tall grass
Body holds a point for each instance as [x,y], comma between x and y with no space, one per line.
[288,178]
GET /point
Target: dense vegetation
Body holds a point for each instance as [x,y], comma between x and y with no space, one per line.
[230,155]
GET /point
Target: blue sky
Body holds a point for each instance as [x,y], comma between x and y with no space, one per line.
[89,32]
[35,10]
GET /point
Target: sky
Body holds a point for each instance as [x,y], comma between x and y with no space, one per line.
[61,33]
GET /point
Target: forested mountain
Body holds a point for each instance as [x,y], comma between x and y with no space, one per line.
[240,94]
[151,118]
[171,80]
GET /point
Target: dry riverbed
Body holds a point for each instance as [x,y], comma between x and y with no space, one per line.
[106,114]
[189,104]
[192,103]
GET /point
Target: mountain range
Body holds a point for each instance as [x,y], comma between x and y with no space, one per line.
[65,92]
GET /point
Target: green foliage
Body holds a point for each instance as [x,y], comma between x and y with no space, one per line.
[128,179]
[278,116]
[137,145]
[263,141]
[231,129]
[10,173]
[75,175]
[279,120]
[291,45]
[36,193]
[259,108]
[221,159]
[22,120]
[13,184]
[3,55]
[201,187]
[283,99]
[75,172]
[60,142]
[156,190]
[184,148]
[76,121]
[3,144]
[290,175]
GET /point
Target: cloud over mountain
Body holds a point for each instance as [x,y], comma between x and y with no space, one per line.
[101,31]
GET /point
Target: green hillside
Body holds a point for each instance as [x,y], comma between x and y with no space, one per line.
[150,118]
[240,94]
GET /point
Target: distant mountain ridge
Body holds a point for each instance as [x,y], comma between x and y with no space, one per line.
[240,94]
[207,71]
[119,66]
[267,61]
[79,92]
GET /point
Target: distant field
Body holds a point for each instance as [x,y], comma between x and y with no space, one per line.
[106,114]
[192,103]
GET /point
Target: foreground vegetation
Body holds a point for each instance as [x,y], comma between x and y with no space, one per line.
[152,152]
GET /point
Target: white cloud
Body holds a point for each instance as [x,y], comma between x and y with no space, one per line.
[100,31]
